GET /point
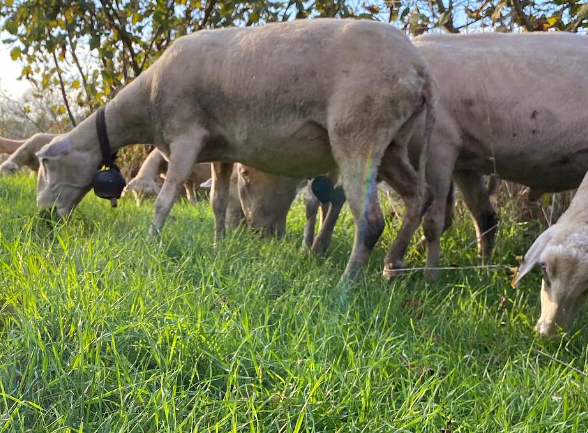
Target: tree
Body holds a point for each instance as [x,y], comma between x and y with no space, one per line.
[90,49]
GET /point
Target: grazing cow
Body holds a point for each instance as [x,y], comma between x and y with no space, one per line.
[562,253]
[511,104]
[24,154]
[154,166]
[9,146]
[265,198]
[296,99]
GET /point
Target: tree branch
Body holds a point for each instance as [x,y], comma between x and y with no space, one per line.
[123,36]
[148,50]
[448,25]
[207,13]
[63,94]
[288,6]
[522,16]
[80,70]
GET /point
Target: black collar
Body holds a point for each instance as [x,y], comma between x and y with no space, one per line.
[107,157]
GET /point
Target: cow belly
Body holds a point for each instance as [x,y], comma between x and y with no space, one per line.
[529,167]
[302,152]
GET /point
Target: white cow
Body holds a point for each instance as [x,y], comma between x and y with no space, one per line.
[9,146]
[24,155]
[511,104]
[562,253]
[154,166]
[298,99]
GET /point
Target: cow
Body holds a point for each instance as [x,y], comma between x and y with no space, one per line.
[296,99]
[562,254]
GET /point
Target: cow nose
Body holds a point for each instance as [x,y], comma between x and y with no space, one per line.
[50,213]
[544,328]
[47,214]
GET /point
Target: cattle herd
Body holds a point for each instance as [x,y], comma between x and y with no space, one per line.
[337,106]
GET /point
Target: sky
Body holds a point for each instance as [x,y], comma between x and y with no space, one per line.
[10,71]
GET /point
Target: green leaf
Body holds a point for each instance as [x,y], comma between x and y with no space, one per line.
[583,11]
[50,44]
[15,53]
[94,42]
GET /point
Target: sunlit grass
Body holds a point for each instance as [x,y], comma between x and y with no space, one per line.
[103,329]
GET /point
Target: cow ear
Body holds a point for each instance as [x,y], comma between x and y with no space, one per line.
[533,255]
[55,149]
[207,184]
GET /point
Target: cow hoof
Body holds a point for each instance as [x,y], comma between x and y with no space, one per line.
[392,272]
[319,249]
[545,329]
[154,231]
[431,275]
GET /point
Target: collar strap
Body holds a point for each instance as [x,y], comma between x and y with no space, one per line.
[107,157]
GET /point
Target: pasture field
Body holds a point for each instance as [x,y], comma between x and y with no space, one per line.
[103,329]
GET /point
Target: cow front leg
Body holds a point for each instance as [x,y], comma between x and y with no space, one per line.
[323,239]
[485,218]
[311,206]
[219,196]
[183,154]
[189,187]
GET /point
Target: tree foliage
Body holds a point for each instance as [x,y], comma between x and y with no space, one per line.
[90,49]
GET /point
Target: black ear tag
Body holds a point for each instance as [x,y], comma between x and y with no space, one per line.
[322,187]
[108,184]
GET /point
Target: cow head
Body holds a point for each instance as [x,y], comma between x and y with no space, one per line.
[265,198]
[65,172]
[562,254]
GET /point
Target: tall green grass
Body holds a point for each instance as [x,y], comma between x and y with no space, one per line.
[103,329]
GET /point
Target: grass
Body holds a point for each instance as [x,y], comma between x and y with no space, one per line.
[103,329]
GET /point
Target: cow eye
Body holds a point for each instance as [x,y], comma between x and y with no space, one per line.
[543,267]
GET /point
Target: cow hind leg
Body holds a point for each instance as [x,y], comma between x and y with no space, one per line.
[358,177]
[361,191]
[397,170]
[436,220]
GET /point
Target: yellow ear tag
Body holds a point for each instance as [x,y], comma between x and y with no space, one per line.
[513,283]
[104,168]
